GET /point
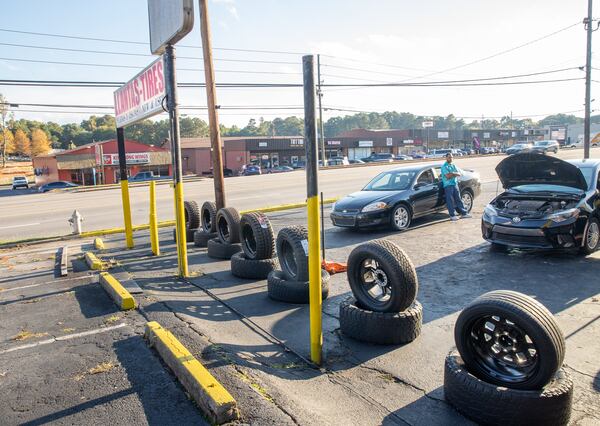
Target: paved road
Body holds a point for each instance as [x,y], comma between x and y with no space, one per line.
[28,214]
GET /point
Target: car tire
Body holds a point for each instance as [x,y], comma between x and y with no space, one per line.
[189,235]
[228,225]
[401,217]
[243,267]
[192,215]
[208,216]
[257,237]
[489,404]
[292,251]
[382,328]
[591,239]
[290,291]
[556,151]
[201,238]
[528,345]
[218,250]
[467,195]
[388,265]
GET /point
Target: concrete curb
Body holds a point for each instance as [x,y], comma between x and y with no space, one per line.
[64,261]
[98,244]
[93,262]
[123,299]
[210,395]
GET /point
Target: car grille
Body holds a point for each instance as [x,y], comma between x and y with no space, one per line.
[342,211]
[344,221]
[521,239]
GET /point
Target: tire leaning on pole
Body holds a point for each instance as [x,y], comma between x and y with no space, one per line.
[257,237]
[228,225]
[292,251]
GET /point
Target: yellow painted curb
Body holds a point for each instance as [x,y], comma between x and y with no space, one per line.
[93,262]
[210,395]
[99,244]
[117,292]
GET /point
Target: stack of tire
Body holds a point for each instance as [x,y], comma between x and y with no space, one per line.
[384,309]
[291,284]
[208,224]
[227,243]
[508,368]
[256,261]
[192,220]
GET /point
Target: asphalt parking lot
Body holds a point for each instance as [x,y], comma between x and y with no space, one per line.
[255,345]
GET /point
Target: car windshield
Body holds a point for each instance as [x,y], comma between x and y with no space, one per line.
[543,143]
[397,180]
[528,189]
[519,145]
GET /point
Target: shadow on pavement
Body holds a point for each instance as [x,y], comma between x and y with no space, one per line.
[93,301]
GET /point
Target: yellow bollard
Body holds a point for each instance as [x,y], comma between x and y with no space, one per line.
[153,221]
[181,234]
[127,212]
[314,275]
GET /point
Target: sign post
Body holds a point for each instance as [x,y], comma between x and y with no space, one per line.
[312,203]
[169,22]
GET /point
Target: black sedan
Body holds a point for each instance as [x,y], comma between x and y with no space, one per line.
[393,198]
[549,203]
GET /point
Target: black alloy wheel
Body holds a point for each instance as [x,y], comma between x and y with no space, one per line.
[249,241]
[287,258]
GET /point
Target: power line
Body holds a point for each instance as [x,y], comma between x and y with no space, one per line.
[112,115]
[183,107]
[147,43]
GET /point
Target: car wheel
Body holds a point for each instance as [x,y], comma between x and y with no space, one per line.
[555,151]
[292,252]
[509,339]
[228,225]
[592,236]
[257,237]
[382,277]
[467,200]
[401,217]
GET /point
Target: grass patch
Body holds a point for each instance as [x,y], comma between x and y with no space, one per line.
[112,319]
[26,334]
[258,388]
[103,367]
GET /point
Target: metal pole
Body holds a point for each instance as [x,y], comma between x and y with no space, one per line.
[588,76]
[320,93]
[124,187]
[153,221]
[213,115]
[312,193]
[173,108]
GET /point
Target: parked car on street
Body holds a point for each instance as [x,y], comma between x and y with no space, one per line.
[280,169]
[548,203]
[382,157]
[438,153]
[403,157]
[545,147]
[356,161]
[395,197]
[519,148]
[252,171]
[299,165]
[20,182]
[61,184]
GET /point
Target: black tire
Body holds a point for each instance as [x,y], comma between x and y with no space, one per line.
[208,216]
[390,270]
[228,225]
[488,404]
[189,235]
[243,267]
[201,238]
[257,237]
[591,242]
[289,291]
[293,257]
[467,198]
[401,217]
[509,339]
[218,250]
[192,215]
[382,328]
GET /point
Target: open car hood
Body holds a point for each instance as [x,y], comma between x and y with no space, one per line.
[533,168]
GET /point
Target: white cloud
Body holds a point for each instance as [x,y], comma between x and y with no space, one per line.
[230,5]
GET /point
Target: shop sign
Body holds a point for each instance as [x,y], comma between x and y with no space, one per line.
[389,141]
[365,144]
[130,158]
[334,142]
[408,142]
[142,96]
[262,144]
[486,135]
[427,124]
[443,135]
[296,142]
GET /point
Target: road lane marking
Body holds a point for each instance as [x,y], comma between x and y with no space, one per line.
[19,226]
[62,338]
[88,277]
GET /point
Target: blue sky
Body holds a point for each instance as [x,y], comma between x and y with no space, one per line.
[415,38]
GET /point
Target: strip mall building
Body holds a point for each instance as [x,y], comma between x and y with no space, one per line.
[98,163]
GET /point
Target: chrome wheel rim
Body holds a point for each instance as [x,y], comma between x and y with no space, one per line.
[401,217]
[467,201]
[593,235]
[374,281]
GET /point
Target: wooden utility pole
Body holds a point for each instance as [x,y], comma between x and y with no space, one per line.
[588,77]
[213,115]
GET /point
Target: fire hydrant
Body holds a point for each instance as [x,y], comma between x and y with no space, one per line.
[75,221]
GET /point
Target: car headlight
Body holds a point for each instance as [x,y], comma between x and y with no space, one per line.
[563,215]
[490,211]
[378,205]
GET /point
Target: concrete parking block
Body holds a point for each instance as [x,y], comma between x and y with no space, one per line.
[98,244]
[214,400]
[64,261]
[94,263]
[123,299]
